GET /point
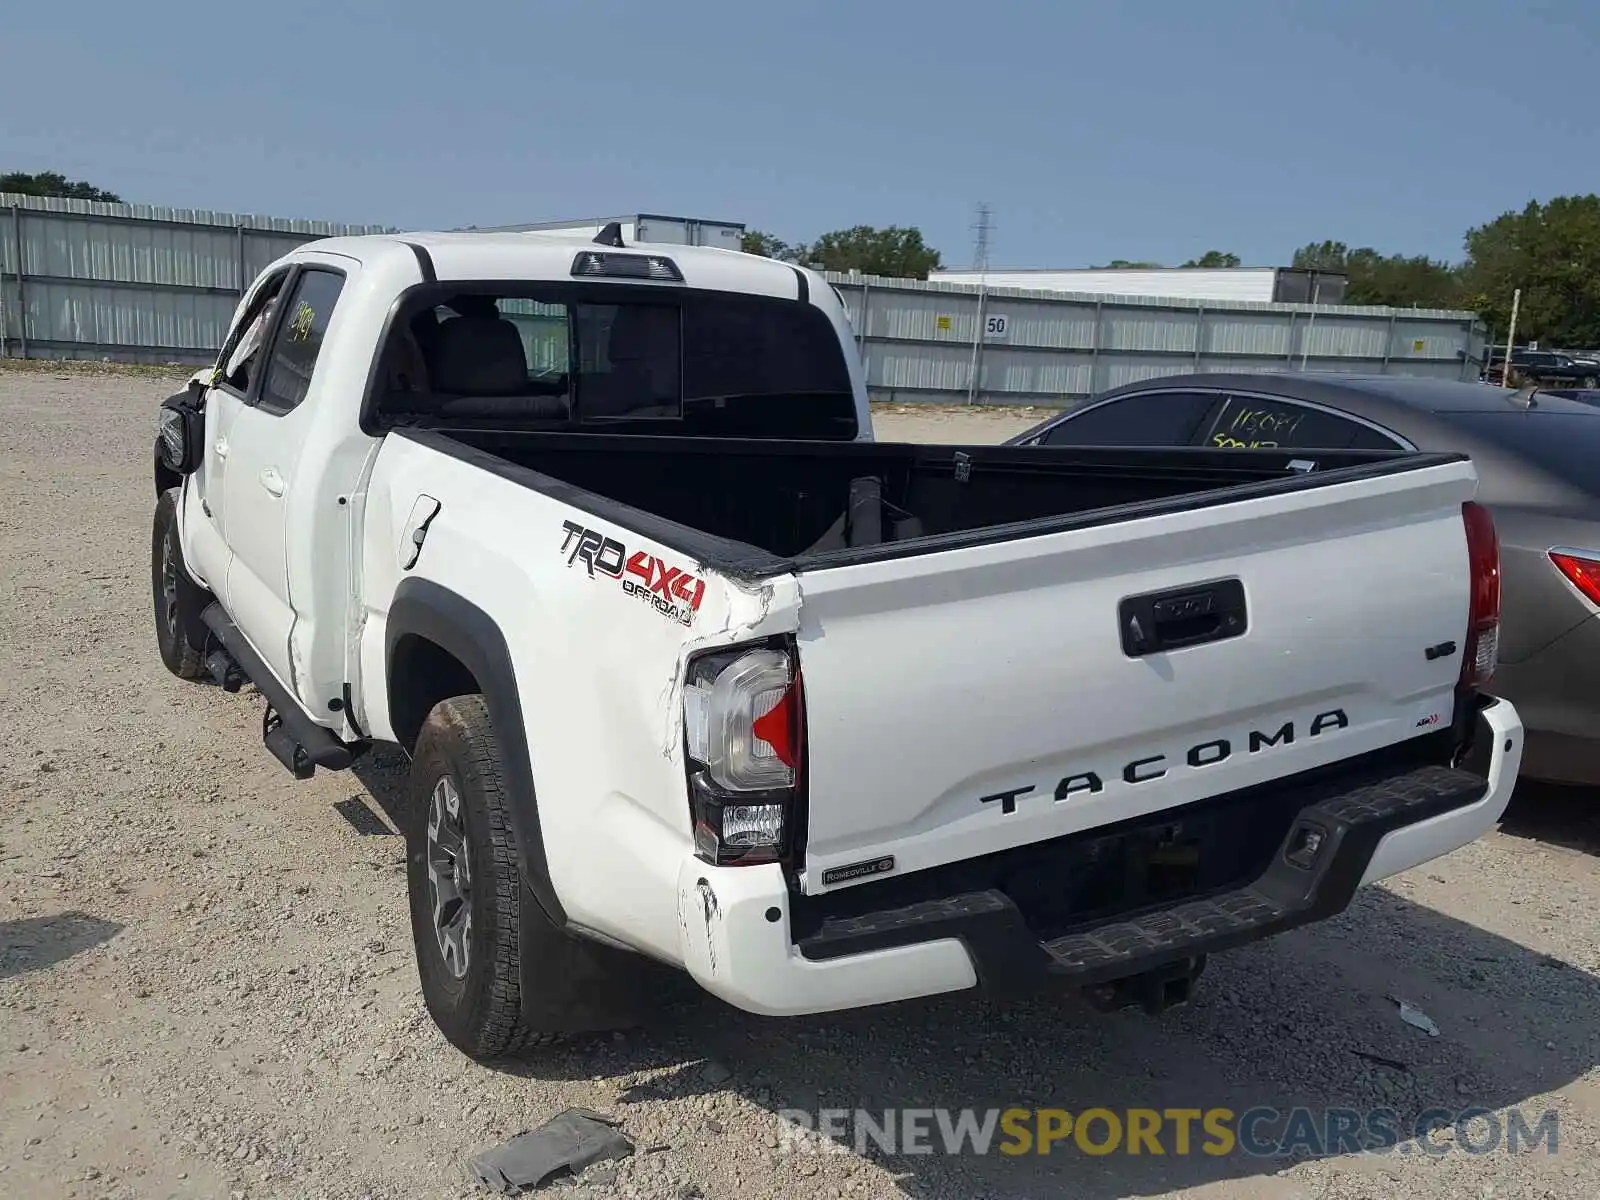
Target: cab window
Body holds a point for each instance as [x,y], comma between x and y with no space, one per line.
[299,340]
[242,354]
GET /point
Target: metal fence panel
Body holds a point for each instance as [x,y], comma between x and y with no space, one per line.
[82,279]
[139,283]
[917,340]
[1264,334]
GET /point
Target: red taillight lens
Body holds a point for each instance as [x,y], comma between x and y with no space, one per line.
[744,731]
[1483,622]
[1582,573]
[779,726]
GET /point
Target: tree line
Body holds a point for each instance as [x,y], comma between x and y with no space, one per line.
[1550,250]
[53,183]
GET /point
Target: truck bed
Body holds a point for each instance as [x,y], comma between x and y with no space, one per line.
[760,507]
[1007,645]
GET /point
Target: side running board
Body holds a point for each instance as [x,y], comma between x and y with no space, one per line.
[295,740]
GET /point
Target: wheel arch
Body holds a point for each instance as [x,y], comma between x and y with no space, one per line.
[437,643]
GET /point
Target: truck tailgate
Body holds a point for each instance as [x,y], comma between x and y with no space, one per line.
[964,701]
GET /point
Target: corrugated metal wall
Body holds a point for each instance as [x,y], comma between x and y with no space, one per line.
[131,283]
[917,340]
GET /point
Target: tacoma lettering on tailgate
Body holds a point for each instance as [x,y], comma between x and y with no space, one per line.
[1206,754]
[671,591]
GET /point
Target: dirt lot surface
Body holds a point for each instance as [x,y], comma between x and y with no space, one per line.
[207,989]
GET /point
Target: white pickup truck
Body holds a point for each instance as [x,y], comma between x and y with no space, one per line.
[694,674]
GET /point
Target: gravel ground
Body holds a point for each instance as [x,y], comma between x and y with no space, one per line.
[206,983]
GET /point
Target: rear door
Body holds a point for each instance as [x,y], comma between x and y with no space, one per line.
[967,701]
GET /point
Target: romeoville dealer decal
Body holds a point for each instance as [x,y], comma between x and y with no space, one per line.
[671,591]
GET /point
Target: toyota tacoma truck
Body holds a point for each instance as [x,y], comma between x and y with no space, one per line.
[699,681]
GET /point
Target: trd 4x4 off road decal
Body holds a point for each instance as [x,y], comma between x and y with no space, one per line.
[671,591]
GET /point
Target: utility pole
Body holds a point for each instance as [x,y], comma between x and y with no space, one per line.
[1311,321]
[983,226]
[1511,338]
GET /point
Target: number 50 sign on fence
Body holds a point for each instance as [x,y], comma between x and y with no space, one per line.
[995,325]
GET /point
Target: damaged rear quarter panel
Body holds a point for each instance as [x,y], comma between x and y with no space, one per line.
[600,622]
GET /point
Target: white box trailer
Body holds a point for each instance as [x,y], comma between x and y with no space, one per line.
[1260,284]
[653,227]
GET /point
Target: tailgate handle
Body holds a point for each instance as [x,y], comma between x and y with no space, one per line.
[1171,620]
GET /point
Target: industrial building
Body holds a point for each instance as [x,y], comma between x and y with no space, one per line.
[1264,285]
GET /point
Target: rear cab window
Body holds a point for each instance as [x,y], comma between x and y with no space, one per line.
[570,356]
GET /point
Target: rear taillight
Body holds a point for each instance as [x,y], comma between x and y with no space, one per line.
[744,732]
[1483,622]
[1582,572]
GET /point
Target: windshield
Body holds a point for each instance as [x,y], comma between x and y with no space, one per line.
[564,357]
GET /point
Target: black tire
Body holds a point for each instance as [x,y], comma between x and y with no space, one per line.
[476,1003]
[526,982]
[1588,381]
[178,601]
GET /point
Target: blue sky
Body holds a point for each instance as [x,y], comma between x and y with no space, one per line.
[1134,129]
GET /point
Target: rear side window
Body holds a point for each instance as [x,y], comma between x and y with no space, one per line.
[1567,445]
[1143,419]
[1267,422]
[299,340]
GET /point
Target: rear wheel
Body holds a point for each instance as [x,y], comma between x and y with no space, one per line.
[466,897]
[177,599]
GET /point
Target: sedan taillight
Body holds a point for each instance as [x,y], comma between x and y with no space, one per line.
[1583,573]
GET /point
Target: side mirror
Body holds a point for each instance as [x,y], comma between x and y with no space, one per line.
[180,435]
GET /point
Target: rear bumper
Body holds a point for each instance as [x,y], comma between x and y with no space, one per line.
[735,922]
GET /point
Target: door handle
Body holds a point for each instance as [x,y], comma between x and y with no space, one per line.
[222,447]
[272,481]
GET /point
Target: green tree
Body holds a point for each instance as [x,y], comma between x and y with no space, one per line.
[1125,263]
[1396,280]
[756,242]
[1214,258]
[1552,252]
[53,183]
[894,252]
[1321,256]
